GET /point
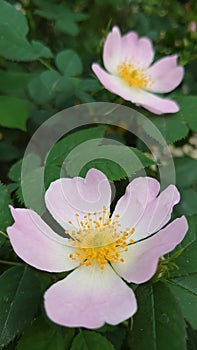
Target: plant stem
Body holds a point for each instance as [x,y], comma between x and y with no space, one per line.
[44,63]
[4,234]
[12,263]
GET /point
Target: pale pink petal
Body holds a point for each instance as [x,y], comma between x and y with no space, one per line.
[34,242]
[89,297]
[138,51]
[141,260]
[129,42]
[139,193]
[156,104]
[157,213]
[119,87]
[66,197]
[166,74]
[112,83]
[112,50]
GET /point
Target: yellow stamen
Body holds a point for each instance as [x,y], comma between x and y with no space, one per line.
[136,77]
[99,239]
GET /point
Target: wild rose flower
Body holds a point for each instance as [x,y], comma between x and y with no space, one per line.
[102,247]
[130,74]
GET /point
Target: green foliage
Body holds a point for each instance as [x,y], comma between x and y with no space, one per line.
[188,110]
[117,162]
[65,19]
[47,48]
[13,112]
[42,87]
[87,340]
[192,338]
[62,149]
[176,127]
[69,63]
[19,300]
[159,322]
[5,200]
[171,127]
[19,48]
[186,174]
[186,262]
[188,204]
[42,335]
[185,291]
[184,279]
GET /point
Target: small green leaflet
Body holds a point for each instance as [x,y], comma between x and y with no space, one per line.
[19,300]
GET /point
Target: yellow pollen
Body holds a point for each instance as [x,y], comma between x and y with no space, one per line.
[136,77]
[99,239]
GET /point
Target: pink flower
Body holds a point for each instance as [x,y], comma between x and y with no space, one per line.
[128,60]
[101,248]
[192,26]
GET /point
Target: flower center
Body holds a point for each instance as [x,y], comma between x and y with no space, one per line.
[99,239]
[134,77]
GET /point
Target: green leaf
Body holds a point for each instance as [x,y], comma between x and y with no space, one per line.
[8,152]
[49,80]
[15,171]
[13,112]
[172,127]
[65,85]
[188,204]
[191,235]
[2,239]
[42,88]
[185,291]
[186,174]
[14,81]
[5,201]
[32,194]
[90,85]
[42,335]
[186,262]
[192,338]
[116,161]
[69,63]
[65,19]
[188,108]
[62,148]
[158,323]
[116,335]
[31,182]
[13,30]
[86,89]
[88,340]
[19,300]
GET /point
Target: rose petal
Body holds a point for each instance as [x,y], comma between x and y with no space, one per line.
[112,50]
[129,42]
[66,197]
[34,242]
[134,50]
[157,213]
[166,75]
[141,260]
[149,101]
[139,193]
[112,83]
[89,297]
